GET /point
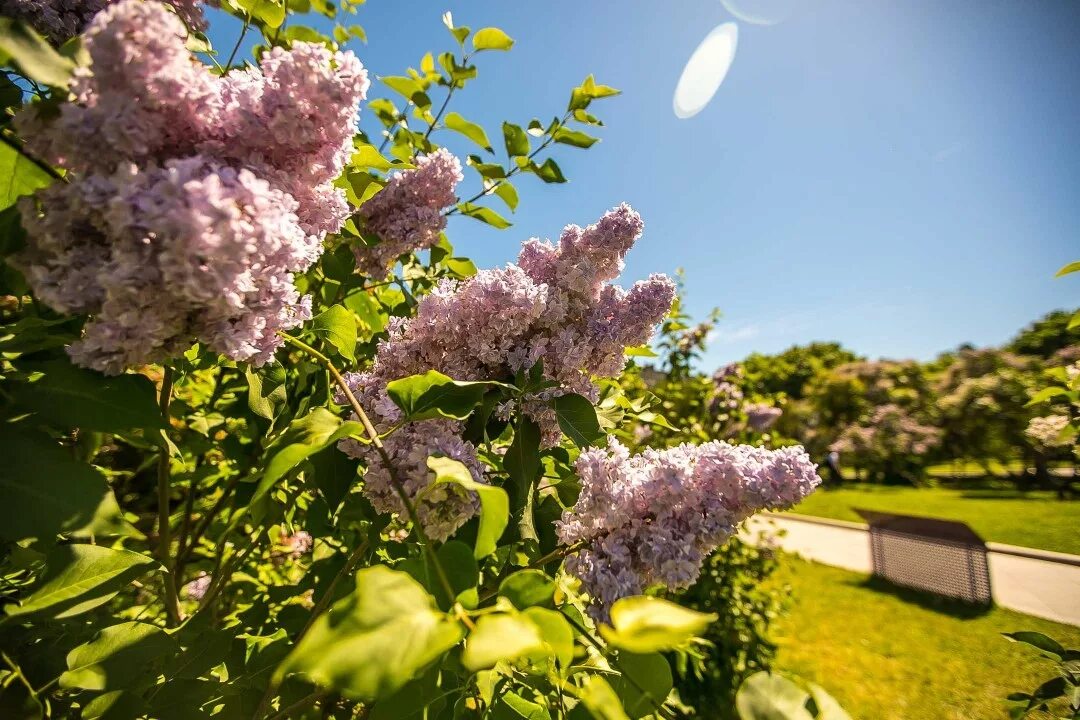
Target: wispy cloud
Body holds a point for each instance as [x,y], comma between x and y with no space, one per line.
[948,151]
[735,334]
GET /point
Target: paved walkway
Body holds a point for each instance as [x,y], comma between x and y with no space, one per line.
[1034,582]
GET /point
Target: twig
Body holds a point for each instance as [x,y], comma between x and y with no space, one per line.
[172,602]
[239,40]
[376,441]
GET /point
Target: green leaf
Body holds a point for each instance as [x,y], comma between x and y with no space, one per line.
[368,156]
[460,267]
[508,193]
[528,588]
[502,636]
[550,172]
[75,397]
[556,633]
[575,138]
[1038,640]
[577,419]
[434,395]
[459,33]
[266,390]
[406,87]
[643,684]
[644,624]
[516,140]
[1046,394]
[600,699]
[641,351]
[374,640]
[304,437]
[270,13]
[491,38]
[345,33]
[18,175]
[454,121]
[765,696]
[522,464]
[47,492]
[22,46]
[78,578]
[1070,268]
[494,503]
[337,326]
[588,91]
[118,657]
[333,472]
[484,215]
[458,563]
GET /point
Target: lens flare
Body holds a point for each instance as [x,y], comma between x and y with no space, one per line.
[705,70]
[760,12]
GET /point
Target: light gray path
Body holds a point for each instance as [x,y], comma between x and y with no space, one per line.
[1030,581]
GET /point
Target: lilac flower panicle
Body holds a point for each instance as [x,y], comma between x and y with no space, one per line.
[762,417]
[654,517]
[298,543]
[407,214]
[194,198]
[555,305]
[61,20]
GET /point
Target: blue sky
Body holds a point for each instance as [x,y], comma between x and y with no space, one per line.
[899,177]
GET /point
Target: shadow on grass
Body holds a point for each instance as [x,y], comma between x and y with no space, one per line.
[944,605]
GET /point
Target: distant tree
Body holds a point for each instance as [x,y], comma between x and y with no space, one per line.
[788,373]
[1047,335]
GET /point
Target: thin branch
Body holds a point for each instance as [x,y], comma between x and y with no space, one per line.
[172,602]
[18,147]
[376,441]
[239,40]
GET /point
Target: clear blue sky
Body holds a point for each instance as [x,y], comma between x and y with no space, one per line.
[899,177]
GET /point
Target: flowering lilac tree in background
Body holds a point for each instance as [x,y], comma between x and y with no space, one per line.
[274,451]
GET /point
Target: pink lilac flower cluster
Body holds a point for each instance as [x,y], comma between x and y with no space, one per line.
[61,20]
[761,417]
[193,198]
[556,306]
[442,508]
[297,544]
[406,215]
[654,517]
[196,589]
[727,396]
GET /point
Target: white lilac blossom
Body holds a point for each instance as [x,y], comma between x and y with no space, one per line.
[407,214]
[61,20]
[556,306]
[1049,431]
[654,517]
[193,198]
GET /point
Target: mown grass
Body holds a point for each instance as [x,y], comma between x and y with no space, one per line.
[892,654]
[1033,519]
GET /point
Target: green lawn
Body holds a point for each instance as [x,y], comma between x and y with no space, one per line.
[1033,519]
[888,654]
